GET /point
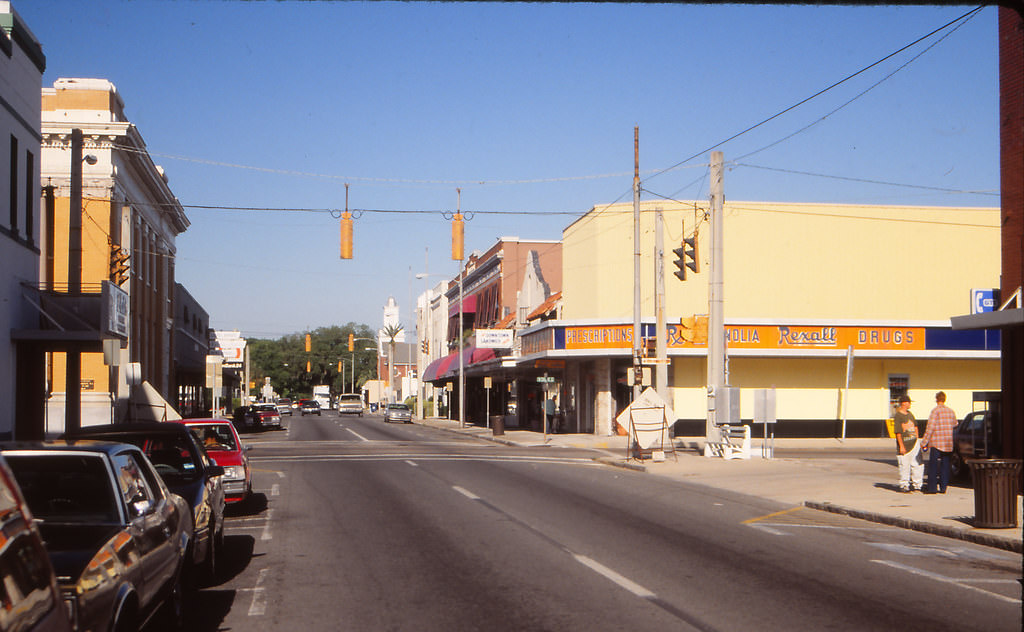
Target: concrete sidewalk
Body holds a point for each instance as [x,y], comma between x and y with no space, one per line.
[858,487]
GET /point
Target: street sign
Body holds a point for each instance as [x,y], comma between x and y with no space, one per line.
[545,379]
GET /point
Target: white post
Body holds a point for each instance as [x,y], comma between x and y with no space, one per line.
[716,299]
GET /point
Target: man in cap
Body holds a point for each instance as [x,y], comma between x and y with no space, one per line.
[908,447]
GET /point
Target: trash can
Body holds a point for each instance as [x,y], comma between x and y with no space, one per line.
[498,424]
[996,485]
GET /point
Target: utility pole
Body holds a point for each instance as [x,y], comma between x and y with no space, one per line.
[73,370]
[716,299]
[661,342]
[637,367]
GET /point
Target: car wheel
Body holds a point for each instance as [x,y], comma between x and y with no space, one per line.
[210,563]
[172,613]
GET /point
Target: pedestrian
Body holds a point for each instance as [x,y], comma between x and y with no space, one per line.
[909,448]
[938,441]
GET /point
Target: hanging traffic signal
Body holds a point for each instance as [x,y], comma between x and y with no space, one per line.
[307,366]
[118,270]
[686,256]
[425,346]
[339,366]
[346,235]
[351,342]
[309,344]
[458,234]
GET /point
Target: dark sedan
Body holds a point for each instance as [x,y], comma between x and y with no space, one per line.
[188,471]
[309,407]
[31,599]
[115,534]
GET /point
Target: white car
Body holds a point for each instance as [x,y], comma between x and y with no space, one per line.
[350,403]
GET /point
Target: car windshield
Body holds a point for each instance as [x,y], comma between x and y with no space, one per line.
[215,437]
[65,487]
[266,407]
[398,407]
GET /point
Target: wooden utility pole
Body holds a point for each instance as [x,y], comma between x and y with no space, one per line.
[661,333]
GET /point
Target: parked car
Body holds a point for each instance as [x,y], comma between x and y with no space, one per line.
[309,407]
[284,405]
[266,416]
[976,437]
[350,403]
[115,534]
[243,418]
[187,470]
[31,599]
[398,412]
[222,443]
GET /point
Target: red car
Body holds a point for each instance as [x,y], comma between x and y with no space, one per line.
[221,441]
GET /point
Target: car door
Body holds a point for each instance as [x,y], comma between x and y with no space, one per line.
[151,525]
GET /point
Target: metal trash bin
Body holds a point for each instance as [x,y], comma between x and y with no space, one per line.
[498,424]
[996,485]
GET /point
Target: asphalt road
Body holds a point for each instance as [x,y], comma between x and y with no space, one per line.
[361,525]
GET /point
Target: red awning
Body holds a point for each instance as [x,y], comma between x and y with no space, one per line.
[449,365]
[468,306]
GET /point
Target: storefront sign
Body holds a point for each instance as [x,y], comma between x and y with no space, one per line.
[494,338]
[824,337]
[599,337]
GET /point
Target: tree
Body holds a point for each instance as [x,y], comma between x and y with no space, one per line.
[391,332]
[284,360]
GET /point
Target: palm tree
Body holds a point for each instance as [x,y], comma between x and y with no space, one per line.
[391,332]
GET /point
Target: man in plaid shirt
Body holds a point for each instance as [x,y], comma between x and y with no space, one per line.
[939,435]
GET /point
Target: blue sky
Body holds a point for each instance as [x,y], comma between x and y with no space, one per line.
[528,108]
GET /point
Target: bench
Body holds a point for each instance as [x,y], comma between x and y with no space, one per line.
[735,443]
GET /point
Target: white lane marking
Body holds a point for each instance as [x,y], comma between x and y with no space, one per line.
[266,529]
[465,492]
[275,490]
[946,580]
[258,606]
[619,580]
[427,457]
[357,434]
[413,463]
[766,529]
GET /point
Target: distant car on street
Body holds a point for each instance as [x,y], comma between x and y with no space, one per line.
[309,407]
[284,406]
[266,416]
[398,412]
[116,536]
[350,403]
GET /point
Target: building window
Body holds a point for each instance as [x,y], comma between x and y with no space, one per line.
[899,385]
[30,177]
[14,186]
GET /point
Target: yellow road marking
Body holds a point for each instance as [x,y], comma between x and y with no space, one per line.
[772,515]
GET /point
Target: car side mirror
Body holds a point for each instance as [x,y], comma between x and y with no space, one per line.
[214,470]
[140,505]
[248,447]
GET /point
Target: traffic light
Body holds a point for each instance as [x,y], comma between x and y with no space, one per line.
[425,346]
[346,235]
[458,234]
[351,342]
[686,256]
[309,344]
[118,270]
[307,367]
[339,366]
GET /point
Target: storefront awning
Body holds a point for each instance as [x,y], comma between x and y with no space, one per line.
[449,365]
[468,306]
